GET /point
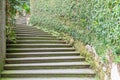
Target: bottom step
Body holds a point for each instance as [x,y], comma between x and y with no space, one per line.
[57,78]
[48,73]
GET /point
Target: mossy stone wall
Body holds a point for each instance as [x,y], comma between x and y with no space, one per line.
[2,34]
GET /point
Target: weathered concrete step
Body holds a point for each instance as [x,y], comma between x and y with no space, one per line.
[35,31]
[60,65]
[41,54]
[37,45]
[49,73]
[31,31]
[31,35]
[34,35]
[16,50]
[22,25]
[39,41]
[37,38]
[27,29]
[44,59]
[28,33]
[54,78]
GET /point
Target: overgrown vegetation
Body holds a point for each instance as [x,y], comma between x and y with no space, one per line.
[12,7]
[94,22]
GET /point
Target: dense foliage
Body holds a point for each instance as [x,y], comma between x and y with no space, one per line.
[95,22]
[12,7]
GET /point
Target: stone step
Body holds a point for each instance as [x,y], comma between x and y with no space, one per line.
[16,50]
[31,35]
[35,31]
[49,73]
[31,31]
[44,35]
[41,54]
[38,42]
[60,65]
[23,25]
[37,38]
[26,28]
[38,45]
[44,59]
[52,78]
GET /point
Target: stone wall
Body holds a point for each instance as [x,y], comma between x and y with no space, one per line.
[2,34]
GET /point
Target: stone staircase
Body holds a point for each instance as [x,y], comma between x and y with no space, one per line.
[37,55]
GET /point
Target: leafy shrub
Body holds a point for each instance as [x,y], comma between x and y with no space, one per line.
[94,22]
[118,51]
[12,6]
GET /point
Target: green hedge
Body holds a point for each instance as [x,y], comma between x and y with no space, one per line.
[95,22]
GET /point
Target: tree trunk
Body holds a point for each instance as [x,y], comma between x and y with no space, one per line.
[2,34]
